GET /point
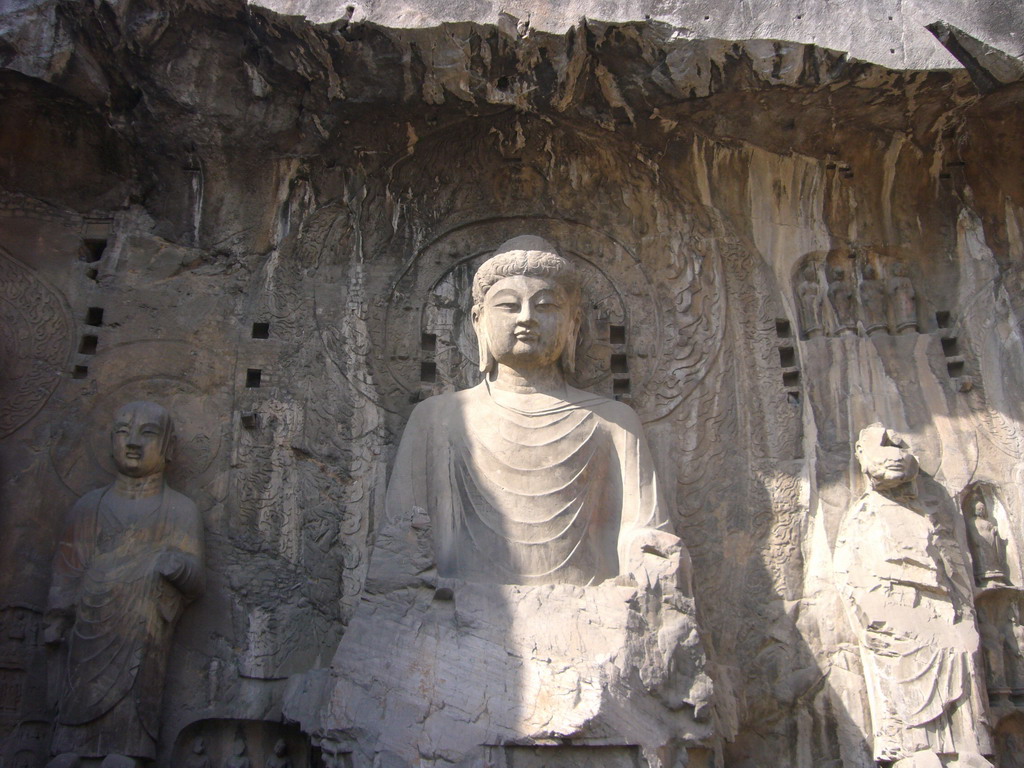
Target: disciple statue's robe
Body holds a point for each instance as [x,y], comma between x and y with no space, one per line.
[124,616]
[908,594]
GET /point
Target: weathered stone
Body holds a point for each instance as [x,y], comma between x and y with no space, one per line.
[910,601]
[129,561]
[269,224]
[521,480]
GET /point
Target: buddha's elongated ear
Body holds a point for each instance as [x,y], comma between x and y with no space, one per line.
[569,353]
[486,358]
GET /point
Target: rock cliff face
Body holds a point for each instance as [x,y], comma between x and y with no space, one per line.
[267,225]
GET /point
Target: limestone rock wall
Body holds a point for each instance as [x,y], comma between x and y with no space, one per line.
[268,225]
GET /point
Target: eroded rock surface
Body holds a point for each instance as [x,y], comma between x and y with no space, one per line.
[268,225]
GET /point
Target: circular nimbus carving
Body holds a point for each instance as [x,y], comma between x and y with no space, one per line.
[427,332]
[35,343]
[81,455]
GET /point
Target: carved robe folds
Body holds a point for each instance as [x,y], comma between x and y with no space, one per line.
[576,476]
[499,588]
[124,616]
[909,599]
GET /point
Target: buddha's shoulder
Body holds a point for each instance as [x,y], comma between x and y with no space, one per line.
[436,405]
[613,411]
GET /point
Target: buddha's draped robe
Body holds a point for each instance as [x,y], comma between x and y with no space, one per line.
[124,616]
[527,489]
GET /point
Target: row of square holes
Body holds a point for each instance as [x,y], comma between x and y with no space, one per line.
[254,376]
[91,251]
[89,341]
[616,335]
[787,359]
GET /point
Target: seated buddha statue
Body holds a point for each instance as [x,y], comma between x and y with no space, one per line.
[523,587]
[526,479]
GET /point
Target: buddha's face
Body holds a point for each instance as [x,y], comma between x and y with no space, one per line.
[139,439]
[527,321]
[884,459]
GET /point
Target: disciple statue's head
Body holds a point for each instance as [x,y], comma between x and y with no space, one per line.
[142,439]
[526,307]
[884,457]
[977,508]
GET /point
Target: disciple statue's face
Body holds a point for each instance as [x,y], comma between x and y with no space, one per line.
[527,321]
[140,439]
[884,458]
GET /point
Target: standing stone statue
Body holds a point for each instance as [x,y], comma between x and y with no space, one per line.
[872,301]
[523,545]
[280,758]
[903,298]
[130,560]
[909,601]
[238,758]
[809,301]
[199,758]
[840,295]
[1015,651]
[988,548]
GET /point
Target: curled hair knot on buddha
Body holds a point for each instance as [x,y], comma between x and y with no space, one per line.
[529,256]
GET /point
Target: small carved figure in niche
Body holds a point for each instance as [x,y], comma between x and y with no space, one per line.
[840,295]
[238,758]
[1014,637]
[995,647]
[524,439]
[809,301]
[909,600]
[129,561]
[903,298]
[872,301]
[988,548]
[199,758]
[280,757]
[333,754]
[1012,753]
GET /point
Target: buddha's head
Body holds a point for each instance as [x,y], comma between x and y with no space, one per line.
[885,458]
[142,439]
[526,307]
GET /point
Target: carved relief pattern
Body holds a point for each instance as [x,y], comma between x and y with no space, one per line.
[35,334]
[854,292]
[306,464]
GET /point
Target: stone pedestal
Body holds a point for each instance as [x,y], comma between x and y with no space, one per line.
[462,672]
